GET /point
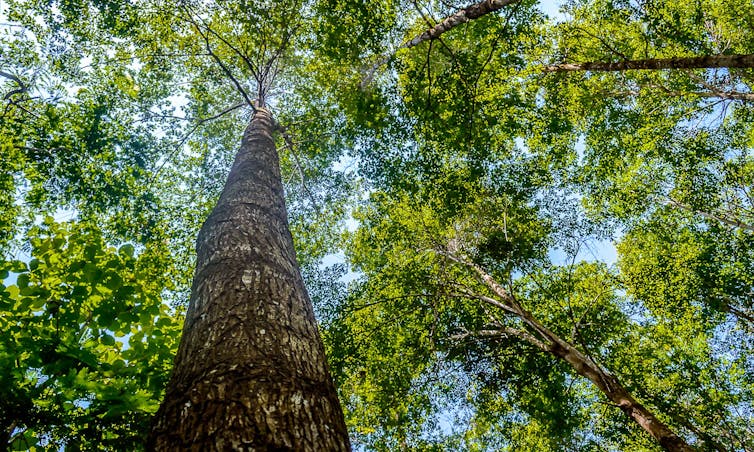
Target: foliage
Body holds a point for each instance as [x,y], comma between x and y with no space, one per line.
[126,116]
[87,340]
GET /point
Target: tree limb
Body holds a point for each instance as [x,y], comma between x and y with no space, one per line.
[289,143]
[467,14]
[181,142]
[220,63]
[728,95]
[712,216]
[700,62]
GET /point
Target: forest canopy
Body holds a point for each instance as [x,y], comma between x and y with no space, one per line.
[522,225]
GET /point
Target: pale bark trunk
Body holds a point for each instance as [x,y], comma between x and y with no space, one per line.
[610,386]
[251,372]
[702,62]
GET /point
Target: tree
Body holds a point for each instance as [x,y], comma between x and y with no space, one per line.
[478,319]
[501,159]
[299,390]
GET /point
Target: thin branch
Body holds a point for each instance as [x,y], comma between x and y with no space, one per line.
[604,43]
[289,143]
[220,62]
[182,141]
[712,216]
[252,67]
[503,331]
[14,78]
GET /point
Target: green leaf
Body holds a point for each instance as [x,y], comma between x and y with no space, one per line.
[126,250]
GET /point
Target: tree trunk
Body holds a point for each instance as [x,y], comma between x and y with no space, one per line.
[251,372]
[611,387]
[702,62]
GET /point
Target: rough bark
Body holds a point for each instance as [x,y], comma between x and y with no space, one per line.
[701,62]
[251,372]
[581,363]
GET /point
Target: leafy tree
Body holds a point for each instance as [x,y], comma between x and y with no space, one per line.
[475,322]
[87,340]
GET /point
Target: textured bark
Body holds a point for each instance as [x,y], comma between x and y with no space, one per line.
[582,364]
[469,13]
[702,62]
[251,372]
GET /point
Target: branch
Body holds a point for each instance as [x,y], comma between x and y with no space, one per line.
[502,332]
[289,143]
[22,88]
[728,95]
[220,63]
[713,216]
[583,363]
[252,67]
[201,121]
[465,15]
[701,62]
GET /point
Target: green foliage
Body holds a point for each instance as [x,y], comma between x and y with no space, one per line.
[121,114]
[87,340]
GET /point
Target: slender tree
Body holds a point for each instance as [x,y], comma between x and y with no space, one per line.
[548,341]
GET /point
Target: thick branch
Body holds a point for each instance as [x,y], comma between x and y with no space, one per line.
[469,13]
[701,62]
[728,95]
[22,88]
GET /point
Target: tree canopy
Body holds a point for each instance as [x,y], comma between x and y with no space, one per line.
[519,231]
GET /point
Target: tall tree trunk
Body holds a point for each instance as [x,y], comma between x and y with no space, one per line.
[701,62]
[251,372]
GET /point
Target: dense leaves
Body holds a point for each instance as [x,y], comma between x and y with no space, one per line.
[614,207]
[87,340]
